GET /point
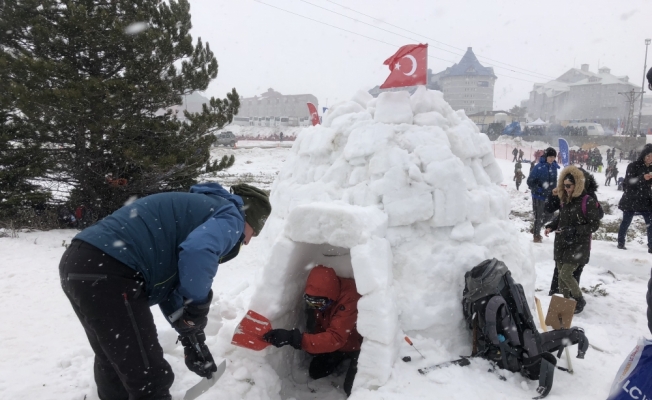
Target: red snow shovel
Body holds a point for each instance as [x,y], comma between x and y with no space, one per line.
[249,332]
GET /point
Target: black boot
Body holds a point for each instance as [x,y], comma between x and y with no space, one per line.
[580,305]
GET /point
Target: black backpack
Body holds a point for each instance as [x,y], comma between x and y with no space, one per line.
[496,311]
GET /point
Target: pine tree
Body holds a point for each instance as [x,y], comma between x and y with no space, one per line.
[225,163]
[91,84]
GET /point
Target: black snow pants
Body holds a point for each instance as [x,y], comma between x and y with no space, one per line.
[323,365]
[109,300]
[554,285]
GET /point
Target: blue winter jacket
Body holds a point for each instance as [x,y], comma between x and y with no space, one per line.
[542,179]
[175,240]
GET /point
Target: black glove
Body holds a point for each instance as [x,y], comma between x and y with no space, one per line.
[198,358]
[194,317]
[568,234]
[282,337]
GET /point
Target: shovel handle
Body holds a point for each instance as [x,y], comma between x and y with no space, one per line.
[407,339]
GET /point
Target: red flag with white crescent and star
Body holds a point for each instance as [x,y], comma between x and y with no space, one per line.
[409,67]
[314,117]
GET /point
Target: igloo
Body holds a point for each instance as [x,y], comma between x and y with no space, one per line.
[402,194]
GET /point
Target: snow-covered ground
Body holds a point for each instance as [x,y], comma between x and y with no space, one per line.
[45,354]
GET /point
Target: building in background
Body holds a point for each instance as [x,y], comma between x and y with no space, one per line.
[484,119]
[580,94]
[467,85]
[274,106]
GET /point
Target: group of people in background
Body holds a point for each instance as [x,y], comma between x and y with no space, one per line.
[518,154]
[572,192]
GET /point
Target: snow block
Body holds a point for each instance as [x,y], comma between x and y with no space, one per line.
[372,265]
[405,207]
[378,316]
[450,207]
[366,140]
[335,223]
[423,100]
[375,364]
[394,108]
[282,285]
[362,97]
[318,143]
[463,232]
[338,109]
[432,118]
[478,206]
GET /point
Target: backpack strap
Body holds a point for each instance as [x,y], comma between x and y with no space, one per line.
[584,200]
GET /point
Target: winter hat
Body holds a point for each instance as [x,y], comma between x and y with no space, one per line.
[323,282]
[550,152]
[256,205]
[647,149]
[576,176]
[570,177]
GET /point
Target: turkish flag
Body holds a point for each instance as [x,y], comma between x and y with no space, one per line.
[314,117]
[409,67]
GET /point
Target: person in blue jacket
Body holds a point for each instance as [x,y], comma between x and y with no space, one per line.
[164,250]
[541,181]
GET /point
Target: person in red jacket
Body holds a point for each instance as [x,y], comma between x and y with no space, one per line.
[331,335]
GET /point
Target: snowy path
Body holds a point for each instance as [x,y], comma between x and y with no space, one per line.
[46,356]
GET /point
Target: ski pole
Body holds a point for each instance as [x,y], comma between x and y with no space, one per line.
[407,339]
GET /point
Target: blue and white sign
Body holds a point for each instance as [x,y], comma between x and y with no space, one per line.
[563,151]
[633,379]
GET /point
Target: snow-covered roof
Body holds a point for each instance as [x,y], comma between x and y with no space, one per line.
[538,122]
[551,88]
[604,78]
[469,65]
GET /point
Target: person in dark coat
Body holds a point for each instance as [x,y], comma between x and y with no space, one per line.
[163,249]
[649,295]
[518,177]
[637,196]
[541,181]
[578,218]
[331,335]
[515,154]
[553,204]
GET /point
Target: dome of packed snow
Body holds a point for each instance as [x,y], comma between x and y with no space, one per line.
[402,194]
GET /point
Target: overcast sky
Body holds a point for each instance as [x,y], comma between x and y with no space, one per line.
[258,46]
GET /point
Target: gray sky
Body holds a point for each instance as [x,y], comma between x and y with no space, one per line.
[258,46]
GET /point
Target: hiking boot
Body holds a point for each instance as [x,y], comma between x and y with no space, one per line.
[649,250]
[580,305]
[622,247]
[538,239]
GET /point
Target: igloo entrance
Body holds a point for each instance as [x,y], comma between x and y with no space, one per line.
[350,240]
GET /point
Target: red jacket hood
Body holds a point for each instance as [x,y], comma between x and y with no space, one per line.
[323,282]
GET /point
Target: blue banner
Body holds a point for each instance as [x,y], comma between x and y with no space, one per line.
[563,151]
[633,378]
